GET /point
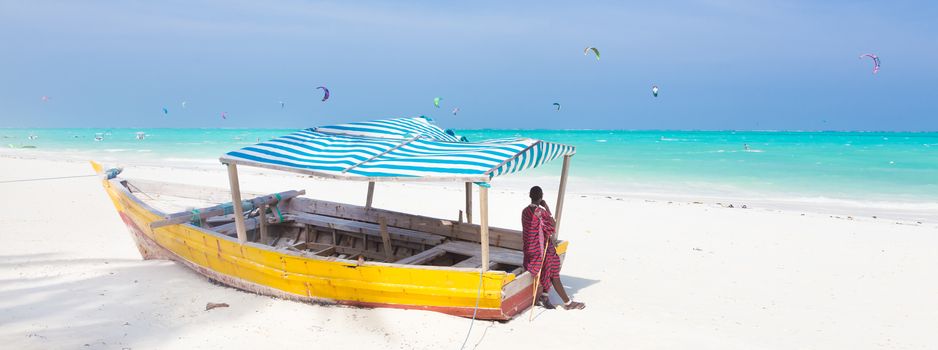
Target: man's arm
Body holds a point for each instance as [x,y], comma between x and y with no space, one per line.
[550,216]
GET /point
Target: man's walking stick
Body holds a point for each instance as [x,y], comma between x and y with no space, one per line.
[537,280]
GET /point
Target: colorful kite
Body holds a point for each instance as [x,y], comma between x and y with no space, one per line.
[875,61]
[325,96]
[436,101]
[455,110]
[586,51]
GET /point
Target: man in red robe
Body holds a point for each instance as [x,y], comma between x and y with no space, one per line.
[538,234]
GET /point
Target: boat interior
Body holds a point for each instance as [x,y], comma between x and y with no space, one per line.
[331,230]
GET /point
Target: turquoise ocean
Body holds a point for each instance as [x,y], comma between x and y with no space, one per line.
[882,166]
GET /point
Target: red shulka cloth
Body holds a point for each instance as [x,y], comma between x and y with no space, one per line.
[537,229]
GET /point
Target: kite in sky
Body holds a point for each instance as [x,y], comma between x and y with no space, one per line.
[654,90]
[45,98]
[455,110]
[586,51]
[183,104]
[224,115]
[281,104]
[325,91]
[436,101]
[875,61]
[165,111]
[558,106]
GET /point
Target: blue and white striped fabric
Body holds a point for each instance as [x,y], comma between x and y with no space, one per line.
[399,128]
[387,150]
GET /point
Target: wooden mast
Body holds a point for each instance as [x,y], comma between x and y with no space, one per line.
[371,194]
[469,202]
[484,225]
[560,193]
[236,202]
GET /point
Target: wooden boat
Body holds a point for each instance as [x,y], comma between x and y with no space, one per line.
[298,248]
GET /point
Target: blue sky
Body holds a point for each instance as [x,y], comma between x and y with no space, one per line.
[720,64]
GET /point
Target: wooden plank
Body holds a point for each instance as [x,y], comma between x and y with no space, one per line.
[342,235]
[422,257]
[484,223]
[219,220]
[236,201]
[468,202]
[218,210]
[385,237]
[364,227]
[496,254]
[371,194]
[563,189]
[348,252]
[474,262]
[500,237]
[232,228]
[325,252]
[262,223]
[317,247]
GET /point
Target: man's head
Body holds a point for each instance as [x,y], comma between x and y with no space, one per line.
[536,194]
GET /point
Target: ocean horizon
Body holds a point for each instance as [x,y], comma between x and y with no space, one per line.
[838,165]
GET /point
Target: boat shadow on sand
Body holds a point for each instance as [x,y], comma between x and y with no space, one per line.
[52,300]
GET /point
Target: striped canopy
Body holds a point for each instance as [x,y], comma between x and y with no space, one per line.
[403,149]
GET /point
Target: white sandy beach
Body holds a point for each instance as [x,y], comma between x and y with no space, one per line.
[655,274]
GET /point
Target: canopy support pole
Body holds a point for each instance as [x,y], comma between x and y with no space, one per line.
[371,194]
[236,202]
[484,225]
[469,202]
[262,225]
[560,193]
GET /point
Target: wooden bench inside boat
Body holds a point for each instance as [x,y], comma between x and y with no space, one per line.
[364,227]
[342,231]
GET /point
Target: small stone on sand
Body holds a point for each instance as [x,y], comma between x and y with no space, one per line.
[210,306]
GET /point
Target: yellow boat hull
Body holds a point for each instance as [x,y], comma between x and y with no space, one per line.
[264,270]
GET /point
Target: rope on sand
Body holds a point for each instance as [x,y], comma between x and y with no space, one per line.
[46,178]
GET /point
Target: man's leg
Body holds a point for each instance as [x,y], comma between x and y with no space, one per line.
[558,286]
[567,304]
[542,297]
